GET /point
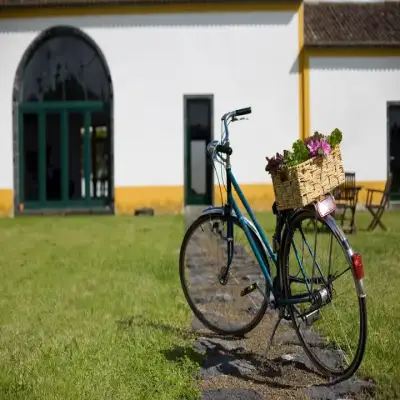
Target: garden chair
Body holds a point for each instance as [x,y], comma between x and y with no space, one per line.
[346,196]
[377,209]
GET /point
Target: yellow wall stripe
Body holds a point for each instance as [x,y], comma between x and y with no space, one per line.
[169,199]
[352,52]
[301,59]
[306,97]
[6,202]
[36,12]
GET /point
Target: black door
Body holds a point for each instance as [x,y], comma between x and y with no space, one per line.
[65,156]
[198,125]
[394,149]
[64,106]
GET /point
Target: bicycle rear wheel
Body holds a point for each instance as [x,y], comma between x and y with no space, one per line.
[203,257]
[317,260]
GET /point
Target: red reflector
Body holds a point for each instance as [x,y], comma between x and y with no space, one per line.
[358,266]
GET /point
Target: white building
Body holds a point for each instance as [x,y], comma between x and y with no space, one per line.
[109,107]
[352,81]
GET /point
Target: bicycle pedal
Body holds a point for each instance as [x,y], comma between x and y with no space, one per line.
[247,290]
[312,317]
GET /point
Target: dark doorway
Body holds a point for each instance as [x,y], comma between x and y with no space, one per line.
[394,148]
[198,126]
[64,105]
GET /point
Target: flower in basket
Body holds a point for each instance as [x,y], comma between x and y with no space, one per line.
[319,147]
[316,145]
[313,168]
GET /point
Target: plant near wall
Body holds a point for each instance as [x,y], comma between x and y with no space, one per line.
[303,150]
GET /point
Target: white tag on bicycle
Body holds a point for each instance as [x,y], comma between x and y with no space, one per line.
[326,206]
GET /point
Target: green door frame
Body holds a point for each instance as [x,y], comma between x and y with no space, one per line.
[63,108]
[395,191]
[189,197]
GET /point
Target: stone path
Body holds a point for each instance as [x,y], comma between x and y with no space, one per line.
[233,368]
[233,365]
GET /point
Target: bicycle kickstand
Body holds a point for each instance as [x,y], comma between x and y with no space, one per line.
[269,344]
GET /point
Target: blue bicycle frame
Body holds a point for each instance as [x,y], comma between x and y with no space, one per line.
[232,205]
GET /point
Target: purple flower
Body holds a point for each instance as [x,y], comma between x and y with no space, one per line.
[324,147]
[313,146]
[319,147]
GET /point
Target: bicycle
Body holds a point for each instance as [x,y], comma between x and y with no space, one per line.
[299,296]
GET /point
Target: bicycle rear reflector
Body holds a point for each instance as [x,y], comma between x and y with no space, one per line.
[358,266]
[326,206]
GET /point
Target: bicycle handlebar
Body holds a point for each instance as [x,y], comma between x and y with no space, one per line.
[224,149]
[236,113]
[232,114]
[243,111]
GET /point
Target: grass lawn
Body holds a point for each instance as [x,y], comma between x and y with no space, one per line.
[91,307]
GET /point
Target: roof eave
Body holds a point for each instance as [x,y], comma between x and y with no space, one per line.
[363,44]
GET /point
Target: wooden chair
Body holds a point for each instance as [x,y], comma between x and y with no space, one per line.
[346,196]
[377,209]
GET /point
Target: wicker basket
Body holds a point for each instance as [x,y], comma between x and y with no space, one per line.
[307,182]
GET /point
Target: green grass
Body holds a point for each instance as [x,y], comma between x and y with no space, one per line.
[92,308]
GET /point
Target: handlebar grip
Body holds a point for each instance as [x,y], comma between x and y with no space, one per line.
[224,149]
[243,111]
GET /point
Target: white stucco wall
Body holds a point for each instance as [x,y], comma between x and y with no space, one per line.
[352,94]
[243,59]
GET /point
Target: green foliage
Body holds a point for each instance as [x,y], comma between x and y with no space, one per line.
[300,152]
[335,137]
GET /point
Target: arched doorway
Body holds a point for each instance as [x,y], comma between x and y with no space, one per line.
[63,100]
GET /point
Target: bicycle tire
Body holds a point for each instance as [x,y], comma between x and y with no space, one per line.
[338,376]
[202,318]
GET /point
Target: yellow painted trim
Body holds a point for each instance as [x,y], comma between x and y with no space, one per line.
[260,196]
[353,52]
[36,12]
[362,196]
[164,199]
[306,97]
[6,202]
[170,199]
[301,59]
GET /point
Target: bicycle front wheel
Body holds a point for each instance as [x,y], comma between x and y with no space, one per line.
[317,263]
[222,308]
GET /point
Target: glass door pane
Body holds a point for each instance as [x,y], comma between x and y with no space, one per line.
[29,138]
[100,147]
[198,172]
[52,156]
[394,154]
[76,166]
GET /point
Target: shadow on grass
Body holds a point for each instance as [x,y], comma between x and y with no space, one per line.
[133,322]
